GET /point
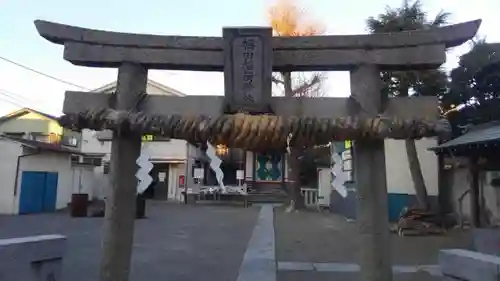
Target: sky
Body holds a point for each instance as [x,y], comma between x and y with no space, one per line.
[20,42]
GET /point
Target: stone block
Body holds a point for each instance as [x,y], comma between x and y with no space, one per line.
[487,241]
[469,265]
[34,258]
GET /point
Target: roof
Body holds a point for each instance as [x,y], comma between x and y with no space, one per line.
[483,133]
[168,90]
[43,145]
[24,111]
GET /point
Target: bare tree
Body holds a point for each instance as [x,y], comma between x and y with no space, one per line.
[287,19]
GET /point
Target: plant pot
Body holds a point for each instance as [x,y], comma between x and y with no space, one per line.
[140,207]
[79,205]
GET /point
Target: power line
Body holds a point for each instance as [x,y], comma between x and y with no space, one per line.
[15,95]
[43,74]
[11,102]
[14,99]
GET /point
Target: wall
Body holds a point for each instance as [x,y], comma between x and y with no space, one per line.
[192,154]
[166,150]
[399,182]
[28,123]
[174,191]
[90,144]
[459,179]
[170,150]
[77,135]
[35,123]
[400,188]
[150,89]
[9,152]
[50,162]
[83,180]
[398,171]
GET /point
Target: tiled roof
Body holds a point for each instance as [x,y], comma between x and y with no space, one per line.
[23,111]
[479,134]
[168,90]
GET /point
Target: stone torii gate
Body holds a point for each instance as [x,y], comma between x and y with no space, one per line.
[247,116]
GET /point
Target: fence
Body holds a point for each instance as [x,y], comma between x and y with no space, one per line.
[310,196]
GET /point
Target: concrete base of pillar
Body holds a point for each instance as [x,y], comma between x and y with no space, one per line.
[33,258]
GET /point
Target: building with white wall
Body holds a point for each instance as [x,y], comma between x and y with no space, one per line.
[36,176]
[399,182]
[400,188]
[167,155]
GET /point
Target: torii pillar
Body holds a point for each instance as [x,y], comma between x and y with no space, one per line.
[370,177]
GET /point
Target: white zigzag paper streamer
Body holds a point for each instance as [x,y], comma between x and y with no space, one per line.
[142,174]
[340,177]
[215,165]
[288,140]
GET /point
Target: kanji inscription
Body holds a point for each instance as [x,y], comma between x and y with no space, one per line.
[248,66]
[247,54]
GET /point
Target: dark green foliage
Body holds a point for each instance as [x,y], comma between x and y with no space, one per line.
[475,86]
[410,16]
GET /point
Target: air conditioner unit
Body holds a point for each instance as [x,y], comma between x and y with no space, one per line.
[77,159]
[73,141]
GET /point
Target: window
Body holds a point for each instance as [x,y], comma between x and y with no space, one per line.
[69,141]
[15,135]
[106,168]
[75,159]
[96,161]
[41,138]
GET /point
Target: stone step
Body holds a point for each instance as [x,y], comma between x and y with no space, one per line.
[267,198]
[459,264]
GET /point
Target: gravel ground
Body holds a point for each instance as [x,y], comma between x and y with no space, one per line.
[313,237]
[327,276]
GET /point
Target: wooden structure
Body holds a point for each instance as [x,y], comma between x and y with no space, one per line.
[247,56]
[480,146]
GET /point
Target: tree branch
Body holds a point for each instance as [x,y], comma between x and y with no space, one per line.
[308,85]
[276,80]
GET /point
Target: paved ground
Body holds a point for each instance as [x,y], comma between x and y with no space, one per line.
[175,242]
[197,242]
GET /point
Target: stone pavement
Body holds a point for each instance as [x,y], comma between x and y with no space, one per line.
[199,242]
[176,242]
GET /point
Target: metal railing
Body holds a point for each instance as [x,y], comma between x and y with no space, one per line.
[310,196]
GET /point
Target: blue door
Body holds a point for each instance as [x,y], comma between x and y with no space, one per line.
[38,192]
[50,192]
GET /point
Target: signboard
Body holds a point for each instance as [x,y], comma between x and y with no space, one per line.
[347,165]
[146,138]
[198,173]
[162,176]
[347,155]
[248,64]
[348,144]
[181,180]
[240,174]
